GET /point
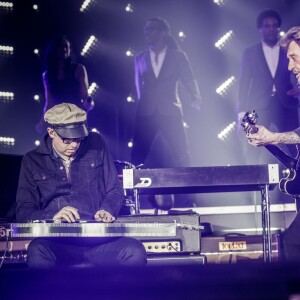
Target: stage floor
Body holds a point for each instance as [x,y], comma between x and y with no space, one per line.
[238,281]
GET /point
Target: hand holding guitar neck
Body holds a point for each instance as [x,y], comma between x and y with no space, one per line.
[259,136]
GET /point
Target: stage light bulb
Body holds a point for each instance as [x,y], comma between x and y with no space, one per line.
[129,53]
[129,8]
[181,35]
[95,130]
[130,144]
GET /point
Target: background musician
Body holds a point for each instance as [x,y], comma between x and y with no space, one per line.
[64,79]
[69,177]
[267,86]
[159,70]
[291,42]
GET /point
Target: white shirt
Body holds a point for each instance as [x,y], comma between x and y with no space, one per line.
[272,58]
[157,60]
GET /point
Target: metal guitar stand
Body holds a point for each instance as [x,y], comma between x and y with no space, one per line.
[259,178]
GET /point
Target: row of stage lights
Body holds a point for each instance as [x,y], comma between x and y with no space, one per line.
[87,5]
[10,142]
[6,97]
[7,141]
[223,135]
[9,96]
[91,44]
[5,49]
[222,90]
[7,6]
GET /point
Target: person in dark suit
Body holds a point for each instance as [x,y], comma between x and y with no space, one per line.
[266,85]
[158,72]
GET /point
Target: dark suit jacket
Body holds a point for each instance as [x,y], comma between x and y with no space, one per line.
[256,81]
[161,93]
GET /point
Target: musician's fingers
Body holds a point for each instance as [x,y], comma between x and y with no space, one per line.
[108,219]
[68,213]
[74,211]
[67,217]
[104,216]
[64,216]
[101,216]
[252,142]
[98,215]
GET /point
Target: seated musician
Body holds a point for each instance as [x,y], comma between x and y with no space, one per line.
[71,177]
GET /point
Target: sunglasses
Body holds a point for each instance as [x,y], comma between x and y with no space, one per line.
[70,140]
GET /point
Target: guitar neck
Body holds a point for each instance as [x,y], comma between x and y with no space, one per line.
[284,158]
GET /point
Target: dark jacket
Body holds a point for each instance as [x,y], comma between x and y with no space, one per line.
[256,81]
[161,94]
[44,189]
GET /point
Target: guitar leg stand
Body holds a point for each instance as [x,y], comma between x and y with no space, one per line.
[266,224]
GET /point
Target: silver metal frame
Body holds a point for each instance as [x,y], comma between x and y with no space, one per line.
[262,187]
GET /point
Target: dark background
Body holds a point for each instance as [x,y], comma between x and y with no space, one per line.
[203,22]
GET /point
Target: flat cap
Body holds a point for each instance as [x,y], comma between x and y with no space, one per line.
[68,120]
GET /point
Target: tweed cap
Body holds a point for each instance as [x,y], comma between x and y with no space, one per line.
[67,120]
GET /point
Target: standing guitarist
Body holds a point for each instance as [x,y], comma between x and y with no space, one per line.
[291,42]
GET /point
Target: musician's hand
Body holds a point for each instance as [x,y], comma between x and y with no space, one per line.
[262,137]
[68,213]
[104,216]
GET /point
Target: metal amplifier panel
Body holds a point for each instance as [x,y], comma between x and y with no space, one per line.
[187,239]
[92,229]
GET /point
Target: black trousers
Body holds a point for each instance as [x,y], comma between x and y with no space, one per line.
[62,252]
[173,132]
[291,240]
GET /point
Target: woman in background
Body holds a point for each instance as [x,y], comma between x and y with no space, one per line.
[64,79]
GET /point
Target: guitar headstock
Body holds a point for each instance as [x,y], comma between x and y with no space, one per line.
[249,121]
